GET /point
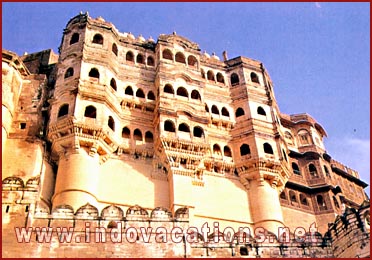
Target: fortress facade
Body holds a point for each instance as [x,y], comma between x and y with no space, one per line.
[120,132]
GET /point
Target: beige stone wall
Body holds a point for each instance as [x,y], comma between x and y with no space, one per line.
[294,218]
[129,181]
[223,200]
[22,159]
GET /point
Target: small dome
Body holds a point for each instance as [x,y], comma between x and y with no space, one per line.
[151,39]
[131,36]
[206,54]
[214,56]
[140,38]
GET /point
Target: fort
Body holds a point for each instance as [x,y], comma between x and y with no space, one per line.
[116,135]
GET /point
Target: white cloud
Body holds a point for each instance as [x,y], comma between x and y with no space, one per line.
[352,152]
[317,5]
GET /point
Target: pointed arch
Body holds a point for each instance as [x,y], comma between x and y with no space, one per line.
[180,58]
[113,84]
[140,93]
[98,39]
[239,112]
[137,135]
[114,49]
[181,91]
[129,56]
[74,38]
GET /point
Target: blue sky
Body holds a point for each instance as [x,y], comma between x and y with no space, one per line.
[317,54]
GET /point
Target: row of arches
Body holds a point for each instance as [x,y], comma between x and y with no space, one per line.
[167,54]
[89,211]
[226,150]
[296,198]
[137,135]
[139,93]
[181,91]
[312,169]
[14,183]
[238,112]
[129,56]
[169,126]
[211,76]
[179,57]
[94,73]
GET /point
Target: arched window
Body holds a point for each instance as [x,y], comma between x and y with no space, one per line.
[149,138]
[304,137]
[292,196]
[137,135]
[168,89]
[91,112]
[283,196]
[181,91]
[180,58]
[125,133]
[140,93]
[167,54]
[129,91]
[198,131]
[150,95]
[210,75]
[216,149]
[321,203]
[220,78]
[288,136]
[303,200]
[63,110]
[113,84]
[244,150]
[69,73]
[140,59]
[261,111]
[254,78]
[169,126]
[234,79]
[224,112]
[215,110]
[239,112]
[111,123]
[227,151]
[195,95]
[74,38]
[312,170]
[98,39]
[94,73]
[150,61]
[114,49]
[268,149]
[191,61]
[326,171]
[184,128]
[295,169]
[129,56]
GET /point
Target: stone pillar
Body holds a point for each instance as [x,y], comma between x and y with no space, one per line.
[265,206]
[77,179]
